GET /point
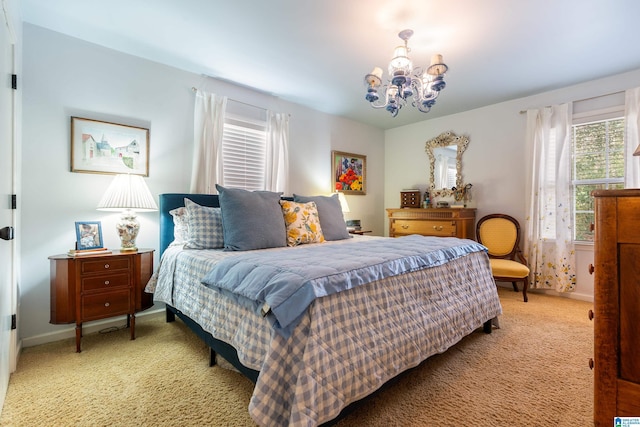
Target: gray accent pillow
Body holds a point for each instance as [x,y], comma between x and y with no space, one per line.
[204,228]
[330,213]
[251,219]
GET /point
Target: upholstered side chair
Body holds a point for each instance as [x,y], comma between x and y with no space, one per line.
[500,233]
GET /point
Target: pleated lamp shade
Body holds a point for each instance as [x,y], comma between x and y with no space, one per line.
[128,192]
[637,152]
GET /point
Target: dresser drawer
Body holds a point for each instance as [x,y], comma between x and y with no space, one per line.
[426,228]
[628,224]
[106,304]
[88,266]
[105,281]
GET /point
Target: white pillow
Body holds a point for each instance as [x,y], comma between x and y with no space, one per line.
[180,226]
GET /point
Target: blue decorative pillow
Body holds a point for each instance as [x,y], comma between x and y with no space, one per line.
[251,219]
[330,213]
[204,226]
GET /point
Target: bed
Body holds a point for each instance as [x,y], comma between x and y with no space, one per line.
[344,344]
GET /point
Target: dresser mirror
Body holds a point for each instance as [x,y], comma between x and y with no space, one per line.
[445,165]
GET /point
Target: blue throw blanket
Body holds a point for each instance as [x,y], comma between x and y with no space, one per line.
[283,283]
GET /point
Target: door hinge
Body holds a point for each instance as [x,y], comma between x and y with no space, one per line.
[14,81]
[14,201]
[14,322]
[6,233]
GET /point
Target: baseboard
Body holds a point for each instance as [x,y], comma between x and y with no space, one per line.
[87,328]
[569,295]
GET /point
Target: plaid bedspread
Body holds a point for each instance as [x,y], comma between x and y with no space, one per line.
[348,344]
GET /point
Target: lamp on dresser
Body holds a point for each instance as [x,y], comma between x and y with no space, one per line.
[128,194]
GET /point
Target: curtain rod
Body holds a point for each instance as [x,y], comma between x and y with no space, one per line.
[585,99]
[195,89]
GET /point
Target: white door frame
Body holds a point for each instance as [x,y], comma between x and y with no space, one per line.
[8,23]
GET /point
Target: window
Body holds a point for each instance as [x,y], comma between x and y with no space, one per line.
[598,163]
[244,153]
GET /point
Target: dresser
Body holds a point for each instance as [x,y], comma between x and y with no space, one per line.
[616,312]
[96,287]
[443,222]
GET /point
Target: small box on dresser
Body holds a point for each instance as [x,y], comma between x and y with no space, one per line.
[410,199]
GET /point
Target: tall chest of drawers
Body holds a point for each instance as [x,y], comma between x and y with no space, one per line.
[442,222]
[616,313]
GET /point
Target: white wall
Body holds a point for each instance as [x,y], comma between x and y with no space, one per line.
[495,161]
[66,77]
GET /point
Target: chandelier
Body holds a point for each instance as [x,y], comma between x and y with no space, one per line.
[406,84]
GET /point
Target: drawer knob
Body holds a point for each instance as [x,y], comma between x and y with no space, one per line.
[591,363]
[404,226]
[591,315]
[106,304]
[106,282]
[106,266]
[591,269]
[437,227]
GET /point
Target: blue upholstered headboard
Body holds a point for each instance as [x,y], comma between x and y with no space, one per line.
[169,201]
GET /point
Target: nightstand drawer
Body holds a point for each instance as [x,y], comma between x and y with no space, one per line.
[426,228]
[104,264]
[106,304]
[108,281]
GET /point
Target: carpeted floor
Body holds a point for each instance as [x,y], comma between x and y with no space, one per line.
[531,372]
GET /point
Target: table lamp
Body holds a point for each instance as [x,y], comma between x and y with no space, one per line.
[343,203]
[128,194]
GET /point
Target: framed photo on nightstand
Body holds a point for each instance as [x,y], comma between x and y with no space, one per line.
[88,235]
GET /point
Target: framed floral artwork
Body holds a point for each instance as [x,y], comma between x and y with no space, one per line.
[349,173]
[108,148]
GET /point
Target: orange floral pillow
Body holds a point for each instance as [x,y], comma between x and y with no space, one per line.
[302,222]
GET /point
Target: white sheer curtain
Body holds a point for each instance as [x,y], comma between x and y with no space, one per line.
[548,243]
[208,127]
[632,138]
[277,153]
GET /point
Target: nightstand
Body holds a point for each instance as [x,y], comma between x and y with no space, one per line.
[360,232]
[96,287]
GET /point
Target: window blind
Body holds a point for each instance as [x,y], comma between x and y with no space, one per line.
[244,153]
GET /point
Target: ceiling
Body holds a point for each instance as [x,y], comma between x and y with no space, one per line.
[316,52]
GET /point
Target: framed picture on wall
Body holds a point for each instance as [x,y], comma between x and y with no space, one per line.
[88,235]
[349,172]
[108,148]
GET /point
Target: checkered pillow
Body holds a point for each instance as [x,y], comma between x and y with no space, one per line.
[205,226]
